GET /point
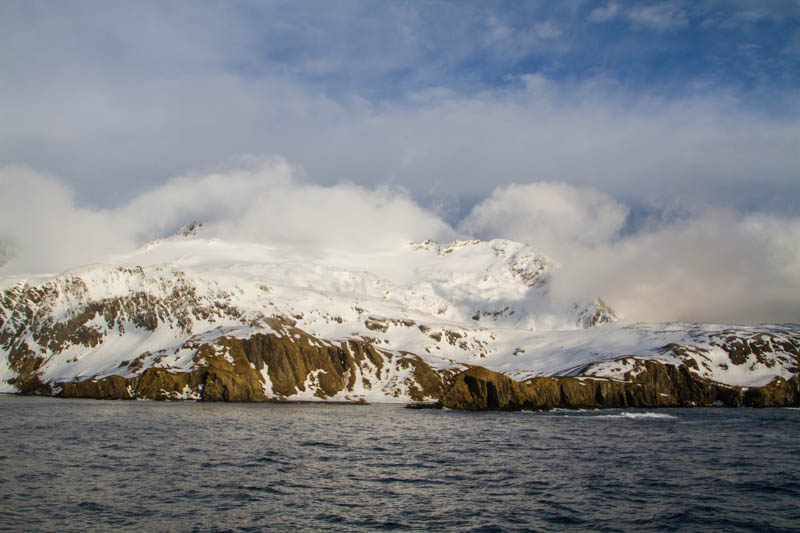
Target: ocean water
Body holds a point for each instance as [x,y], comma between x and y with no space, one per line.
[84,465]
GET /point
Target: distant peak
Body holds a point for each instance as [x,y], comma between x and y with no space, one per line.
[189,230]
[595,314]
[498,246]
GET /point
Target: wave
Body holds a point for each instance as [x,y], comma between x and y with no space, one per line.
[596,413]
[648,414]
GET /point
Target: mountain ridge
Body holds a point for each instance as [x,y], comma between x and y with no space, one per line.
[180,305]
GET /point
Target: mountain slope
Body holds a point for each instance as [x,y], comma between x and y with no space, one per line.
[189,313]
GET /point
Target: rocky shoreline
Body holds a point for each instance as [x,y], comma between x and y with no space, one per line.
[660,385]
[655,385]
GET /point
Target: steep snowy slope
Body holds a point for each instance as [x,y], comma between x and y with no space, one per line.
[325,324]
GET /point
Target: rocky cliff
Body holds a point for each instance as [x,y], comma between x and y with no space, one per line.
[266,368]
[660,385]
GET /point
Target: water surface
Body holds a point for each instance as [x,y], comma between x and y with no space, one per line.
[84,465]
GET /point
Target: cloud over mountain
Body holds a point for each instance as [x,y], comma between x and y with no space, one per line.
[714,265]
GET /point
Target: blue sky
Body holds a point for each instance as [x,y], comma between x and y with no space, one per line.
[670,48]
[628,134]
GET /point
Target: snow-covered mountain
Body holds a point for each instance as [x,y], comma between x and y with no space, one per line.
[191,314]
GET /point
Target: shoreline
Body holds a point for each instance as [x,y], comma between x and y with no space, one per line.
[658,385]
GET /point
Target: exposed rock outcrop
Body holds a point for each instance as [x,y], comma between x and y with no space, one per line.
[271,367]
[659,385]
[778,393]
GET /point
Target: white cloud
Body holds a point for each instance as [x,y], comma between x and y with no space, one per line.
[551,216]
[660,17]
[260,203]
[116,108]
[713,266]
[547,30]
[44,230]
[719,267]
[442,147]
[663,16]
[606,13]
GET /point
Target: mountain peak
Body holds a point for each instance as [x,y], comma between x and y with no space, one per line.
[189,230]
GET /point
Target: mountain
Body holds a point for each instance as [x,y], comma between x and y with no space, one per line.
[191,316]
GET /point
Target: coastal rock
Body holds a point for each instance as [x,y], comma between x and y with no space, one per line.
[269,367]
[478,388]
[658,385]
[777,393]
[110,388]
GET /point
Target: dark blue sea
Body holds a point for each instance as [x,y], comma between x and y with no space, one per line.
[84,465]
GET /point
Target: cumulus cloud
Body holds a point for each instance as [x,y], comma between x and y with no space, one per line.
[551,216]
[45,230]
[266,204]
[147,92]
[719,266]
[42,229]
[715,265]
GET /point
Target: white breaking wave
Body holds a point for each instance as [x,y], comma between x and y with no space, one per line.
[595,414]
[648,414]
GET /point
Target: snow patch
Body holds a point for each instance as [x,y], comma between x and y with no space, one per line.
[266,382]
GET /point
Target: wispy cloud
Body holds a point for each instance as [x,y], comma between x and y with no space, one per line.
[660,17]
[663,16]
[605,13]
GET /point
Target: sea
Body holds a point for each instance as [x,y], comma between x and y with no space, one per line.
[87,465]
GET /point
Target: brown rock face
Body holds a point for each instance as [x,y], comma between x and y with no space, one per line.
[31,385]
[478,388]
[660,385]
[777,393]
[291,361]
[110,388]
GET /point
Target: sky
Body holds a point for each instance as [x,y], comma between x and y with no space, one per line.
[650,148]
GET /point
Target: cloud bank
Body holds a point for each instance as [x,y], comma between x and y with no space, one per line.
[712,265]
[715,265]
[44,230]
